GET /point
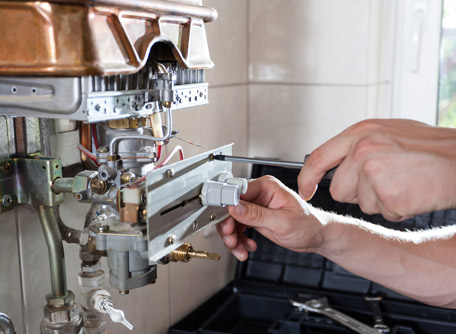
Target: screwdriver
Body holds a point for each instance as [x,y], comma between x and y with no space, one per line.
[271,162]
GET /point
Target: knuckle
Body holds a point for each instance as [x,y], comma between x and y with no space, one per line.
[255,213]
[335,192]
[364,148]
[366,126]
[315,157]
[372,167]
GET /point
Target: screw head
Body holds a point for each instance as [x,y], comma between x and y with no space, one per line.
[169,241]
[103,228]
[7,200]
[212,217]
[169,173]
[6,168]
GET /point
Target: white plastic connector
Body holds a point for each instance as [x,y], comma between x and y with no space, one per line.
[219,194]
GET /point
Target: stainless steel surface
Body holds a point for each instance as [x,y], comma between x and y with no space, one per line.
[321,306]
[55,250]
[101,98]
[271,162]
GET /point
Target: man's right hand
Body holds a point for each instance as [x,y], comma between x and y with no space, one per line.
[399,168]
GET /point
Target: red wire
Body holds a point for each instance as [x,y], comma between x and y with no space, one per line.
[159,152]
[94,135]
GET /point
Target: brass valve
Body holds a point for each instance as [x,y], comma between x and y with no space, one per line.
[186,252]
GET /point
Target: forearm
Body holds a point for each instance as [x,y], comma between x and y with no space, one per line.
[421,265]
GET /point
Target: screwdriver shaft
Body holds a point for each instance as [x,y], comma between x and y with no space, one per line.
[270,162]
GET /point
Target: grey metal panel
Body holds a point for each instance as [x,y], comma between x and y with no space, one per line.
[40,97]
[174,209]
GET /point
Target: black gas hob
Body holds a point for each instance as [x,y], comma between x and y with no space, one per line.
[258,300]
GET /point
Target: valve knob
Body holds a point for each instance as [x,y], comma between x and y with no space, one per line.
[220,194]
[102,303]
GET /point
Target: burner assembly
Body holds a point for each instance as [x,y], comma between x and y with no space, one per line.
[104,77]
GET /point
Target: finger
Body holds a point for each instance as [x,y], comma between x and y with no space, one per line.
[344,185]
[226,226]
[367,199]
[262,190]
[253,215]
[240,253]
[325,157]
[249,244]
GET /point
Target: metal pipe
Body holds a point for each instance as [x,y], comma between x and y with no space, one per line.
[169,127]
[55,250]
[63,185]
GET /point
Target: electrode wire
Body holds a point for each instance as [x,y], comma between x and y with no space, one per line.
[176,149]
[95,136]
[169,125]
[89,154]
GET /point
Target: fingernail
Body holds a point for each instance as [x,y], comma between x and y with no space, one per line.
[238,209]
[238,255]
[227,242]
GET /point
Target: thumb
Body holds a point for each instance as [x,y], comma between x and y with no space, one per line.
[251,214]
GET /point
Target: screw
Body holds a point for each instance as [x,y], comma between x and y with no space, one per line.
[79,197]
[212,217]
[6,168]
[7,200]
[169,241]
[211,157]
[169,173]
[103,228]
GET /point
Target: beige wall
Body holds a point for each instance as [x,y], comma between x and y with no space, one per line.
[289,74]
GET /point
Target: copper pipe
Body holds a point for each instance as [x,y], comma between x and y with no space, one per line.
[157,6]
[85,137]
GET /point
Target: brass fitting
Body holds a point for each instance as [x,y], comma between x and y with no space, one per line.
[127,123]
[126,177]
[186,252]
[98,186]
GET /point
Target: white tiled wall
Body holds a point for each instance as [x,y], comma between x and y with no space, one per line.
[315,67]
[289,74]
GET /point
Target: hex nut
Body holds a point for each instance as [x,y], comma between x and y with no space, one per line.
[66,300]
[68,316]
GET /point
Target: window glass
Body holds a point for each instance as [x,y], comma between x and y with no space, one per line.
[447,85]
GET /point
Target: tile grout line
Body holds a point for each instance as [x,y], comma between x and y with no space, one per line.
[247,55]
[21,271]
[169,296]
[285,83]
[369,44]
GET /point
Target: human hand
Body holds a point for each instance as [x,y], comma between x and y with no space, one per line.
[399,168]
[276,212]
